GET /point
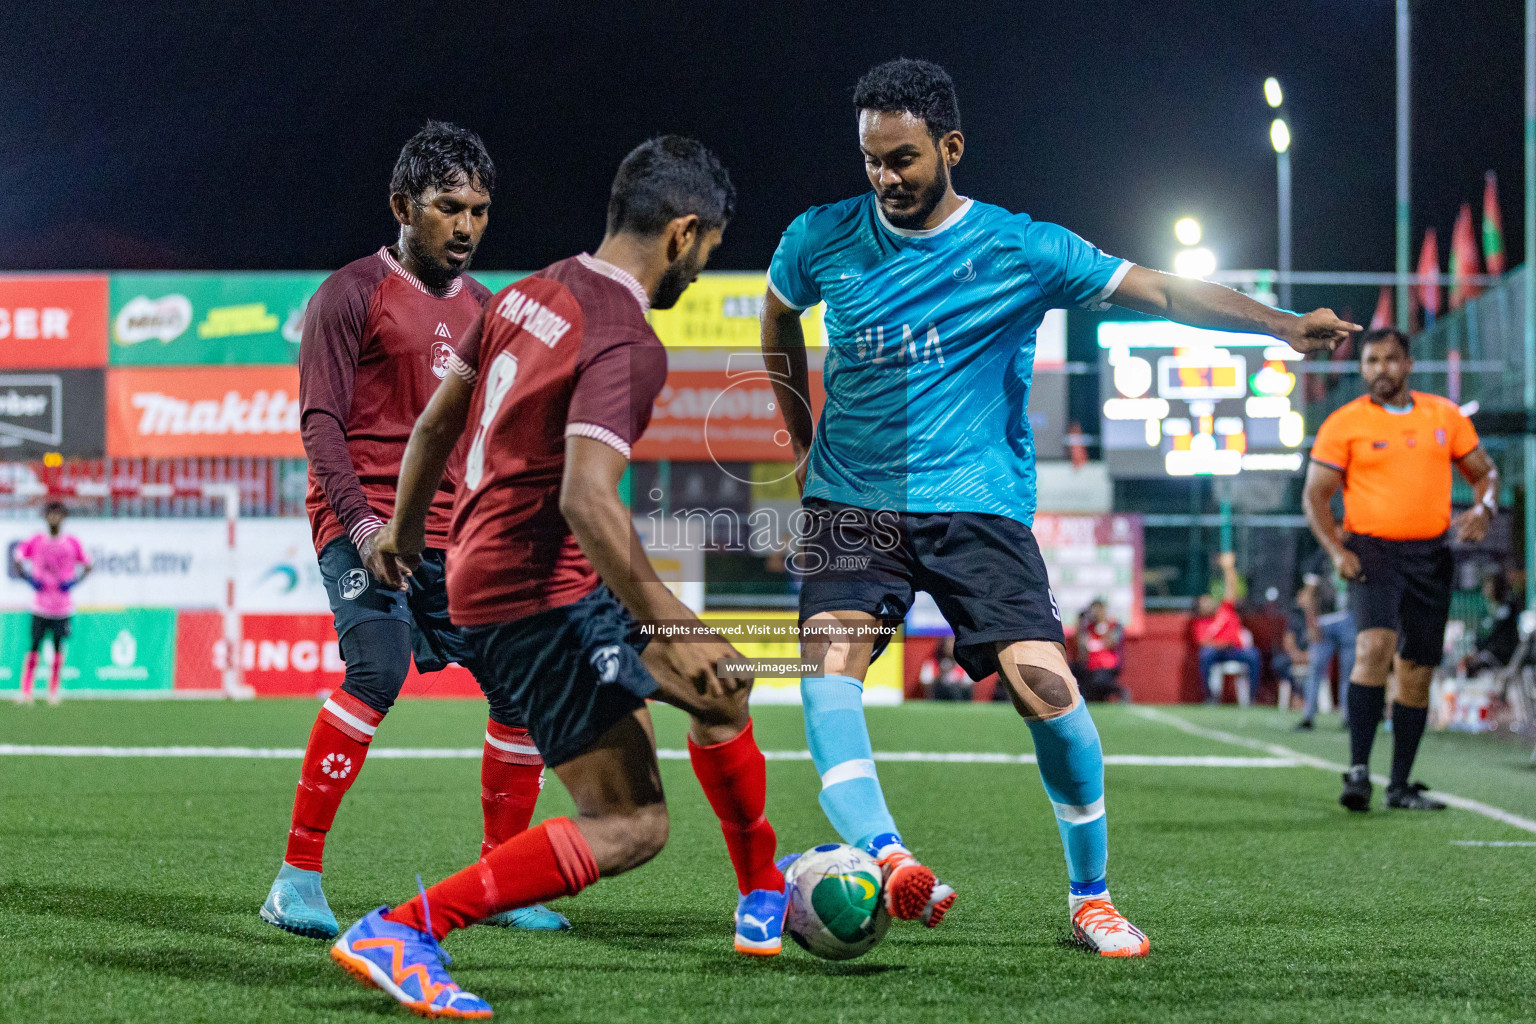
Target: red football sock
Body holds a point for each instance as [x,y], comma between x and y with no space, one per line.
[27,672]
[735,779]
[56,672]
[337,745]
[550,860]
[511,775]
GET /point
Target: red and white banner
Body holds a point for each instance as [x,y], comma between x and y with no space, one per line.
[288,656]
[53,322]
[203,411]
[713,415]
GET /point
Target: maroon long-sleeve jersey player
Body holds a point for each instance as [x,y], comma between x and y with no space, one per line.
[378,337]
[547,576]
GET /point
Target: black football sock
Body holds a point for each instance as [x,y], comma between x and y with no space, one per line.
[1407,729]
[1365,707]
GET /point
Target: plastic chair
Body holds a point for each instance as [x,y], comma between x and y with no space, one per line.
[1216,684]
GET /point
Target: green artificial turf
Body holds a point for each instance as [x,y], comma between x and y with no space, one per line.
[129,887]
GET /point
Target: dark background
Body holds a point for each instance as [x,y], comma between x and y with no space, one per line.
[187,136]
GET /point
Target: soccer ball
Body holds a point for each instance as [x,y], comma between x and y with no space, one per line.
[836,909]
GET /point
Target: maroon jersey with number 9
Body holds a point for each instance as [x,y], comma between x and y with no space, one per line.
[564,352]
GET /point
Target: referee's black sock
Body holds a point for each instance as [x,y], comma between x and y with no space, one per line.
[1407,729]
[1365,706]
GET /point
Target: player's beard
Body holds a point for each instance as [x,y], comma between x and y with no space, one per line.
[676,278]
[436,273]
[928,200]
[1385,389]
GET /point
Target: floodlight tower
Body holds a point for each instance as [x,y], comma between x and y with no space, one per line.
[1280,139]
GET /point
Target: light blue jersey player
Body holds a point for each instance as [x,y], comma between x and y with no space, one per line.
[921,472]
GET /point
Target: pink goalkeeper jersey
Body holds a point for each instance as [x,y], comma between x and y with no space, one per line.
[53,562]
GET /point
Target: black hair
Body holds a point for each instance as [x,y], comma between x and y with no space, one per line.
[668,177]
[918,87]
[56,506]
[442,156]
[1382,334]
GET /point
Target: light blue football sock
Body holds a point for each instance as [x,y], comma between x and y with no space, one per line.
[1072,768]
[839,742]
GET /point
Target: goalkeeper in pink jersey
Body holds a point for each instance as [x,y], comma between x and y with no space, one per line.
[52,563]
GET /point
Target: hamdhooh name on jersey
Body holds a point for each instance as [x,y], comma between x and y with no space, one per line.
[543,323]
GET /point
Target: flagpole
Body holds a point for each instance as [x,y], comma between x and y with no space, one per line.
[1530,301]
[1403,68]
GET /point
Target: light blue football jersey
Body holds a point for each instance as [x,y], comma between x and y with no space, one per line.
[931,347]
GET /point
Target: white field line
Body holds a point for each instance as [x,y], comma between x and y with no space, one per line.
[1276,750]
[473,753]
[1490,842]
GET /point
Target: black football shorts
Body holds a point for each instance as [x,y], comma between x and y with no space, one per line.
[984,572]
[1405,585]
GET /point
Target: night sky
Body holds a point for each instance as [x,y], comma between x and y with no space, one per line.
[186,137]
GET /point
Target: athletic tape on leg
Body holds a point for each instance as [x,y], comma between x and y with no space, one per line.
[839,743]
[1072,767]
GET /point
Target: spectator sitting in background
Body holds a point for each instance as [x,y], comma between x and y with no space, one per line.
[1098,655]
[1498,634]
[942,677]
[1330,630]
[1219,632]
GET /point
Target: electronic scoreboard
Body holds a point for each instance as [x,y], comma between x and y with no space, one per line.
[1181,401]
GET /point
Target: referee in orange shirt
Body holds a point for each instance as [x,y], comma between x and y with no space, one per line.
[1392,449]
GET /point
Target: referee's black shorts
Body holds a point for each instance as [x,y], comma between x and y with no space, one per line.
[1404,585]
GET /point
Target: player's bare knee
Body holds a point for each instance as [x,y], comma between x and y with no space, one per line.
[1413,685]
[1043,694]
[1373,656]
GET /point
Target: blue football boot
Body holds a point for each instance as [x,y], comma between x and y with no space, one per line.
[407,964]
[760,920]
[537,918]
[297,904]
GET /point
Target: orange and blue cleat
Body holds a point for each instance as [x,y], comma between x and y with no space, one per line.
[407,964]
[760,922]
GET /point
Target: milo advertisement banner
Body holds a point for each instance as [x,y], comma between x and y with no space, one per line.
[123,649]
[191,318]
[188,319]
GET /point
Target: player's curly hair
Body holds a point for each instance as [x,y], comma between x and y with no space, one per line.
[442,156]
[668,177]
[918,87]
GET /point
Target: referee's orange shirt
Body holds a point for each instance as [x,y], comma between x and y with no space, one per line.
[1396,466]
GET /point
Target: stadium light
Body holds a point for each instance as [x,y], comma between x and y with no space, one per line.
[1187,231]
[1272,94]
[1280,135]
[1198,262]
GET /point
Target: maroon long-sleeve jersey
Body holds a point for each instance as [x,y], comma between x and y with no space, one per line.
[565,352]
[376,343]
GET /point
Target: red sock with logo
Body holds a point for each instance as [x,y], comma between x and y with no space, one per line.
[548,861]
[735,779]
[337,745]
[511,776]
[27,672]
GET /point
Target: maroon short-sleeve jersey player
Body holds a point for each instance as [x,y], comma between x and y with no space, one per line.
[375,345]
[565,352]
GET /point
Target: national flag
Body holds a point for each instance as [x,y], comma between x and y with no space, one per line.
[1493,225]
[1463,259]
[1383,317]
[1429,269]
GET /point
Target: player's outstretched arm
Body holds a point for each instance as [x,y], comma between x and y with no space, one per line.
[1204,304]
[397,548]
[590,502]
[784,344]
[1323,482]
